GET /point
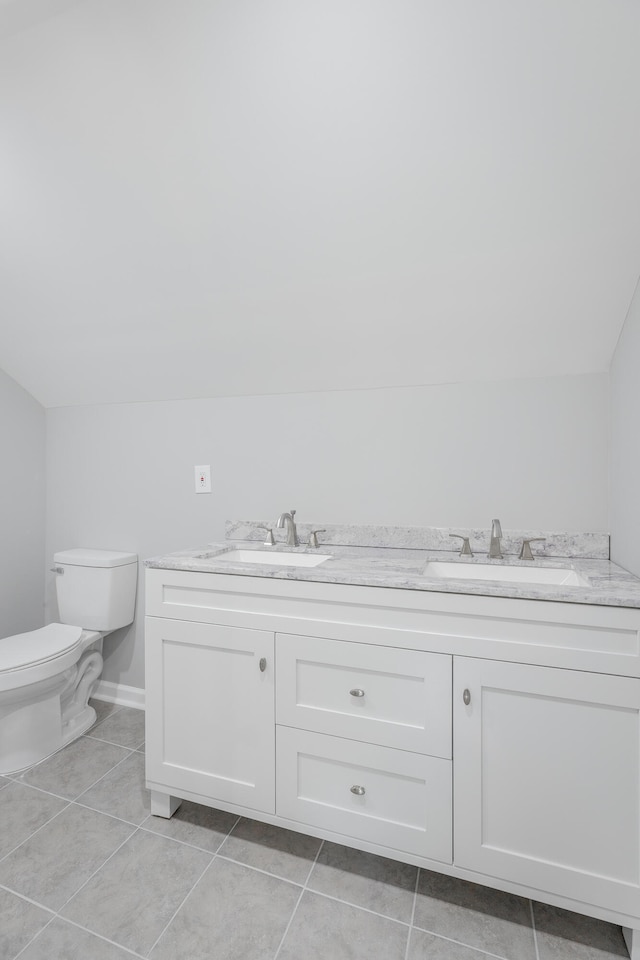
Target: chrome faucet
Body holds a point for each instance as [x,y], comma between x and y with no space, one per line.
[292,533]
[495,550]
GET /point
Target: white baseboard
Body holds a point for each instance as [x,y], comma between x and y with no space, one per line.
[119,693]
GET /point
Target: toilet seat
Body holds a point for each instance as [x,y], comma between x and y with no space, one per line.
[37,655]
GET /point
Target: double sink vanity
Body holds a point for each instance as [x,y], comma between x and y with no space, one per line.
[471,714]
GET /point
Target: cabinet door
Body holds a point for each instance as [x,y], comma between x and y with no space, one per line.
[210,711]
[546,779]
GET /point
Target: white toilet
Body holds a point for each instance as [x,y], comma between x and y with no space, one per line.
[48,675]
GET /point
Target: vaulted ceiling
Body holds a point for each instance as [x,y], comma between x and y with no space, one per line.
[221,197]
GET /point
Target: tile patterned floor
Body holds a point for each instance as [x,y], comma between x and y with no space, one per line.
[87,874]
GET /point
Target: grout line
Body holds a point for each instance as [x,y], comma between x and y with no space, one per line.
[112,816]
[295,909]
[112,743]
[192,847]
[22,896]
[357,906]
[461,943]
[97,870]
[185,843]
[315,860]
[533,927]
[35,936]
[106,774]
[413,913]
[49,793]
[100,936]
[266,873]
[181,904]
[227,835]
[286,930]
[36,831]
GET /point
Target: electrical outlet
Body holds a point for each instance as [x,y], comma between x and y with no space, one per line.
[203,478]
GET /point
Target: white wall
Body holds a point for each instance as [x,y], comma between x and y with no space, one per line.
[533,452]
[22,504]
[625,443]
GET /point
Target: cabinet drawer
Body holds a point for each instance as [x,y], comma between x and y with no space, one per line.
[388,696]
[403,800]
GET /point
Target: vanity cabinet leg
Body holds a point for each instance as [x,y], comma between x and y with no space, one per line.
[163,804]
[632,940]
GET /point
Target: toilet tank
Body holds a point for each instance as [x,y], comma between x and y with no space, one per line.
[96,588]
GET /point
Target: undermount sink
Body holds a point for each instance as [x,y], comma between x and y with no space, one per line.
[274,559]
[503,573]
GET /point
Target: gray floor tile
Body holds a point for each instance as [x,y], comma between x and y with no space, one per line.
[477,916]
[121,792]
[71,771]
[384,886]
[63,941]
[20,922]
[23,811]
[54,863]
[562,934]
[234,913]
[196,824]
[426,946]
[103,709]
[126,728]
[285,853]
[133,897]
[324,928]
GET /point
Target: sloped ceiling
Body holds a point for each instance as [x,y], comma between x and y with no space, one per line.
[221,197]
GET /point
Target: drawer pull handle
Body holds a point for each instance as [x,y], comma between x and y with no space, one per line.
[356,692]
[263,664]
[466,698]
[359,791]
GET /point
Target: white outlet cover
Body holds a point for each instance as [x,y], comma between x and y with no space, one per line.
[203,478]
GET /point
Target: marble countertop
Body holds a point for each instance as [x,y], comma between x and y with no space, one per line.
[404,569]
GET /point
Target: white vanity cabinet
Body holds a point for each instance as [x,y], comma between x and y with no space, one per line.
[495,740]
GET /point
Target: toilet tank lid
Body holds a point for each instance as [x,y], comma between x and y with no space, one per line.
[82,557]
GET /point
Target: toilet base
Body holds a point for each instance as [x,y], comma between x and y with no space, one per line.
[40,719]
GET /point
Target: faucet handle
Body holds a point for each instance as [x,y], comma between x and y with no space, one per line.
[269,542]
[313,539]
[525,551]
[465,550]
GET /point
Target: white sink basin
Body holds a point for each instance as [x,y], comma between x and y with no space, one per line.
[503,573]
[273,558]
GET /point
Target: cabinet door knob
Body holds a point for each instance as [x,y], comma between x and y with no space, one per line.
[466,698]
[359,791]
[263,664]
[356,692]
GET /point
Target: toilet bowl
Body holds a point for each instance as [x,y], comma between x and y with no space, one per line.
[48,675]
